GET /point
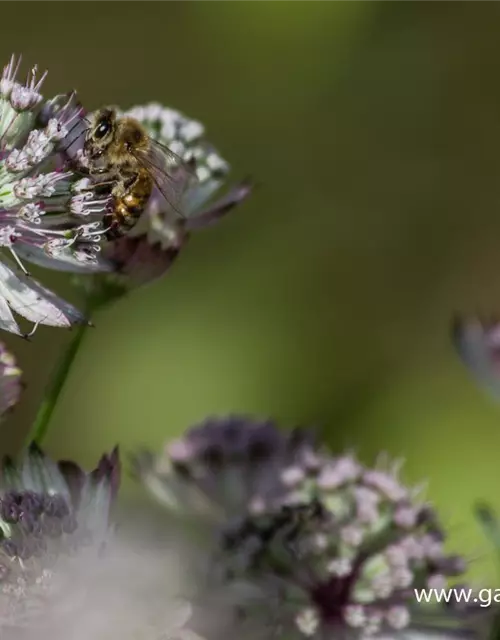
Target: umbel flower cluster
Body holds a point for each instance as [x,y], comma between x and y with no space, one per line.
[307,543]
[55,215]
[49,215]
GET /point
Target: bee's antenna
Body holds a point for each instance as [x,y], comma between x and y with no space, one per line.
[66,147]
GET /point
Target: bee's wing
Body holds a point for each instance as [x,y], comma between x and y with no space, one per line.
[170,173]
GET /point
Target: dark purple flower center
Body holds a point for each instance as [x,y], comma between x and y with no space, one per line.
[331,597]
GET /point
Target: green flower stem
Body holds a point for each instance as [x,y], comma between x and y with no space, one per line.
[98,292]
[42,420]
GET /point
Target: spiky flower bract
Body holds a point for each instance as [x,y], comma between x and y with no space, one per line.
[49,214]
[308,544]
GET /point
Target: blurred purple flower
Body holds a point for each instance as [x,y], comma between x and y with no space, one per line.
[308,544]
[478,345]
[84,497]
[226,466]
[10,381]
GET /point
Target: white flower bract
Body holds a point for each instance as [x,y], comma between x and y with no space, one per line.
[10,381]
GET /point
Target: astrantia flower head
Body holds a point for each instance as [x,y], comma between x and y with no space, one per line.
[49,214]
[50,514]
[185,138]
[318,546]
[342,552]
[149,250]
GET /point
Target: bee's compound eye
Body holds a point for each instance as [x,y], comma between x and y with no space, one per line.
[102,129]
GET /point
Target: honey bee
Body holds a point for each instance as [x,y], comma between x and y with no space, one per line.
[133,164]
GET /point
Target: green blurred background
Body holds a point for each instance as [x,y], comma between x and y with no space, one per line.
[374,132]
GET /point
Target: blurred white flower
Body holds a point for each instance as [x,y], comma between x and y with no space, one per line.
[127,592]
[49,214]
[50,515]
[67,573]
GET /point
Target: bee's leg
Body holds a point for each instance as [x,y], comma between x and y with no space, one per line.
[98,171]
[105,187]
[104,183]
[113,232]
[74,165]
[86,170]
[119,188]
